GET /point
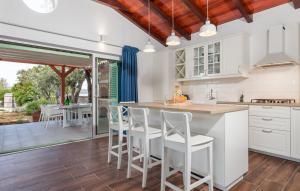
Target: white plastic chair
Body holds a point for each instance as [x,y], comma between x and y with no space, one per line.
[176,136]
[116,123]
[139,128]
[52,113]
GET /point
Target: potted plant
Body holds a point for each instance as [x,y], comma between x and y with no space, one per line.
[34,108]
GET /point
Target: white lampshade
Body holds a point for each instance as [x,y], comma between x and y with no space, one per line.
[208,29]
[41,6]
[149,47]
[173,40]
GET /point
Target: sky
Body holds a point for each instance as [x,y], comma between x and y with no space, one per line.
[8,71]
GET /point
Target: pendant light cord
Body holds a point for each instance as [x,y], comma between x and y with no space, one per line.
[149,19]
[172,15]
[207,10]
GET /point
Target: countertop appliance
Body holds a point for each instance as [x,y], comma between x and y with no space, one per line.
[287,101]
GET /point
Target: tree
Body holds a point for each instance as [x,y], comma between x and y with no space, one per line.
[74,83]
[24,93]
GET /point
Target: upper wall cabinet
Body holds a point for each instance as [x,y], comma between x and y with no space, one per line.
[224,58]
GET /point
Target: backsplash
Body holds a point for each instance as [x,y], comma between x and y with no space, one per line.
[279,82]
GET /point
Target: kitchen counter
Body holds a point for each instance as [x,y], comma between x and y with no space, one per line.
[261,104]
[227,124]
[197,108]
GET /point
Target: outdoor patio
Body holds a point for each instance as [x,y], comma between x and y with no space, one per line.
[19,137]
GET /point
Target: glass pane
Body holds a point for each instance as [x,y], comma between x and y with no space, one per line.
[195,52]
[210,49]
[201,69]
[217,47]
[210,59]
[201,51]
[195,70]
[217,58]
[196,62]
[217,68]
[210,69]
[201,60]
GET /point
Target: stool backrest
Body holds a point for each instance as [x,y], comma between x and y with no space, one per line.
[138,118]
[176,123]
[114,115]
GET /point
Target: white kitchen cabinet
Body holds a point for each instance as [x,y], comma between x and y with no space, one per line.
[270,129]
[295,132]
[235,54]
[268,140]
[227,57]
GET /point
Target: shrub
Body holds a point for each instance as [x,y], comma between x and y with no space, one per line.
[34,106]
[24,93]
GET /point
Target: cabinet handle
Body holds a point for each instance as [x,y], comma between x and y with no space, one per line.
[267,131]
[267,107]
[267,119]
[296,109]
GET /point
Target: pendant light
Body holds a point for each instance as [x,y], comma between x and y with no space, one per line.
[173,40]
[41,6]
[208,29]
[149,47]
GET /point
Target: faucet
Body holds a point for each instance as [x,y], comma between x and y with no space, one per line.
[211,95]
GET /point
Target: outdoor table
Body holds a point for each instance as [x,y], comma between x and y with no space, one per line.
[68,110]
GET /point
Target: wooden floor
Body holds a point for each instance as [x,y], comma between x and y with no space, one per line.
[83,166]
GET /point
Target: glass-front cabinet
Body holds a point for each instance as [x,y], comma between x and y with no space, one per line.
[199,64]
[214,58]
[207,60]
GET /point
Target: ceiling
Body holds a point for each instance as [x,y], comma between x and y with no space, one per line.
[16,52]
[189,15]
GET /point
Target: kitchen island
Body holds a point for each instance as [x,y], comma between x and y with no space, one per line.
[227,124]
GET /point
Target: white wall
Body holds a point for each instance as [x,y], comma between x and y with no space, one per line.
[81,18]
[271,83]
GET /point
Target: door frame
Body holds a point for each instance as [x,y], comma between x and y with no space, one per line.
[94,92]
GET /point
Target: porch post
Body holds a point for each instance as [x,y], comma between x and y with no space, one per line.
[63,85]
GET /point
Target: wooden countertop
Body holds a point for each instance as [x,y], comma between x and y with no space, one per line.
[261,104]
[189,107]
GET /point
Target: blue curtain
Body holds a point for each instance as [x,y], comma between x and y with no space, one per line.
[129,90]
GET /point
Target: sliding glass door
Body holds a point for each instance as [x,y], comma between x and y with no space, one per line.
[107,91]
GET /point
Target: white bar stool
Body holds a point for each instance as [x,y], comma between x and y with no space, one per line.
[176,136]
[116,123]
[139,128]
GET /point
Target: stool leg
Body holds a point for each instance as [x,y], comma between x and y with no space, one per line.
[211,184]
[129,155]
[120,149]
[140,149]
[110,137]
[145,164]
[187,170]
[164,167]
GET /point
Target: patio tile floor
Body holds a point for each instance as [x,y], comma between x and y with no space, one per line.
[30,135]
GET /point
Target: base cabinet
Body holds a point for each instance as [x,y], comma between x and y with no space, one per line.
[295,132]
[272,141]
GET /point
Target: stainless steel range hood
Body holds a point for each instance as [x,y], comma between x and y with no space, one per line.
[276,53]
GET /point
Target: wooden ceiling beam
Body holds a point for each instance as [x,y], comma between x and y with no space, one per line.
[296,4]
[131,17]
[167,18]
[241,7]
[195,10]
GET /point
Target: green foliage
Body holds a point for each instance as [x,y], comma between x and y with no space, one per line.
[34,106]
[2,92]
[24,93]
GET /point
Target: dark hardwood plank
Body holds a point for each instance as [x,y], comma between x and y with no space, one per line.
[83,166]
